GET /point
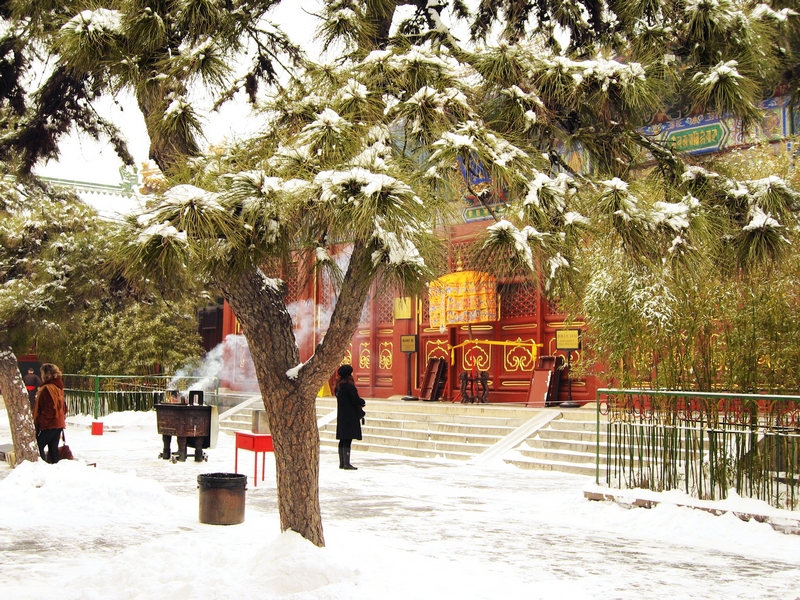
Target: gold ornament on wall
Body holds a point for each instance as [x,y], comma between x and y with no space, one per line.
[518,358]
[364,355]
[385,356]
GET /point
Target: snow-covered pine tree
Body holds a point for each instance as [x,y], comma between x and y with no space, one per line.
[365,150]
[51,249]
[157,51]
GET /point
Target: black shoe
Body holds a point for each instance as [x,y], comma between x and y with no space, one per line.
[350,468]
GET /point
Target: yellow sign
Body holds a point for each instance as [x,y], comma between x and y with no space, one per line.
[408,343]
[402,308]
[568,339]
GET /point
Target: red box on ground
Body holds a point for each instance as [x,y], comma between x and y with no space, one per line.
[97,428]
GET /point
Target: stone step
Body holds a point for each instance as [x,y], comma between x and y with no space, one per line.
[569,434]
[490,429]
[242,420]
[461,432]
[413,436]
[431,446]
[399,406]
[572,447]
[239,418]
[563,445]
[573,425]
[580,414]
[463,419]
[559,455]
[561,467]
[363,446]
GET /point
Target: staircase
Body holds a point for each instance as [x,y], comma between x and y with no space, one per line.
[240,417]
[568,444]
[429,429]
[551,439]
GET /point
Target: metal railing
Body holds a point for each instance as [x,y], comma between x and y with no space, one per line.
[704,443]
[100,395]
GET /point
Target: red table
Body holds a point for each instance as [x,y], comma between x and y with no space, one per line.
[255,442]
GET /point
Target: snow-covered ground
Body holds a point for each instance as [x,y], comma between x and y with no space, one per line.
[395,529]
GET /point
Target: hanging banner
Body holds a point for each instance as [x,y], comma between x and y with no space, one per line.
[463,298]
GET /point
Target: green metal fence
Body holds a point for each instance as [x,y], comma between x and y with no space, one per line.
[703,443]
[100,395]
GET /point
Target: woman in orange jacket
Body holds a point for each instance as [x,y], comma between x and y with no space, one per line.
[50,411]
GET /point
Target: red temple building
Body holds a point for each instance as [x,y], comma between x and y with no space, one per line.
[500,341]
[502,345]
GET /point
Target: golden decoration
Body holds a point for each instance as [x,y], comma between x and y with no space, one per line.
[385,354]
[364,355]
[518,358]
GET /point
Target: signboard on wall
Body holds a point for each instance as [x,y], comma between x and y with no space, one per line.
[568,339]
[409,344]
[402,308]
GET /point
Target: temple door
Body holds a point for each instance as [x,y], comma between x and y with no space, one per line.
[374,351]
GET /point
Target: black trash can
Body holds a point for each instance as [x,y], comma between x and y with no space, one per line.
[222,498]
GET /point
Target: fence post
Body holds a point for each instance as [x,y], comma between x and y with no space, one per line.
[96,397]
[597,448]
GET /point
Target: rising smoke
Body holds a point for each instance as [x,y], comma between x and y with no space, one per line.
[229,363]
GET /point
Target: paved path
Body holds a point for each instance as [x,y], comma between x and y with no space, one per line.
[534,527]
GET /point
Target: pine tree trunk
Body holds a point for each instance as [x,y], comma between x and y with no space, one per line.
[267,325]
[293,423]
[260,308]
[18,406]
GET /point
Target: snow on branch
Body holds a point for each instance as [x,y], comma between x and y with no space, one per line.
[94,21]
[600,70]
[759,220]
[161,230]
[337,186]
[765,12]
[505,233]
[185,195]
[545,191]
[472,141]
[721,71]
[327,120]
[395,249]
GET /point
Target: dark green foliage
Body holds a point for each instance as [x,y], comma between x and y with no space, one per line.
[62,103]
[126,338]
[59,293]
[157,50]
[12,67]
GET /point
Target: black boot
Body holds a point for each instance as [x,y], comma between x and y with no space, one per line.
[347,466]
[341,457]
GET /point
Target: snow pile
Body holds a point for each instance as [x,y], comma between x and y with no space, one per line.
[73,495]
[396,529]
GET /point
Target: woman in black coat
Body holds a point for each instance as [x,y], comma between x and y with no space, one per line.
[349,414]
